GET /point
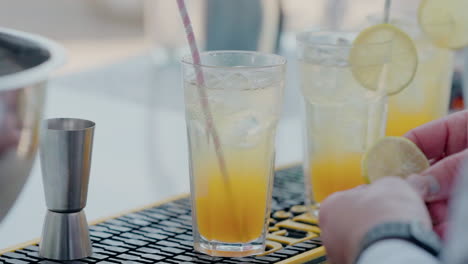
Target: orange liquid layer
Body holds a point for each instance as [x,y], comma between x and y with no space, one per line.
[399,123]
[234,213]
[335,172]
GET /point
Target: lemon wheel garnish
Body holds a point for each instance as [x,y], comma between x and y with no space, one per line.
[445,22]
[383,58]
[393,156]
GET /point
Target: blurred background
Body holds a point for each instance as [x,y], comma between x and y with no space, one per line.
[123,73]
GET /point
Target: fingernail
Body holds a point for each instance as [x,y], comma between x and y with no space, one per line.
[418,184]
[427,186]
[433,187]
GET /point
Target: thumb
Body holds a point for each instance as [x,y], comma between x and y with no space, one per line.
[436,182]
[426,186]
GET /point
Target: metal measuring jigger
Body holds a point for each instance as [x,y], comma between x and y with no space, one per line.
[65,151]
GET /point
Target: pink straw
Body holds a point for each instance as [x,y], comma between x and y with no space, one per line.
[201,87]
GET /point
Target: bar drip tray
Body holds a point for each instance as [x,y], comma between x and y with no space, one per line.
[162,233]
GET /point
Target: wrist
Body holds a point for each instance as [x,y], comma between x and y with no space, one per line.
[412,232]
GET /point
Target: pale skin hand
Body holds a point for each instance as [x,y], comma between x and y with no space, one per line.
[345,217]
[445,143]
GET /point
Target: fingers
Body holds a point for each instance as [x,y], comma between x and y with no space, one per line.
[328,202]
[436,183]
[425,186]
[442,137]
[445,172]
[438,211]
[327,223]
[441,229]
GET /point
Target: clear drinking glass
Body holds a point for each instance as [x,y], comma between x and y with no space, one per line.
[342,118]
[427,97]
[244,91]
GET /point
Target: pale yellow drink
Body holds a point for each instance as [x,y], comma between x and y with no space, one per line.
[244,92]
[427,97]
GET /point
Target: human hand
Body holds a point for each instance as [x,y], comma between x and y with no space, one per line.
[444,142]
[345,217]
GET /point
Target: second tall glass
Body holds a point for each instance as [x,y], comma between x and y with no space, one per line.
[244,91]
[342,117]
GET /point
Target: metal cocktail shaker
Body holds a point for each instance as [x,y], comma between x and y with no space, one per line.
[65,151]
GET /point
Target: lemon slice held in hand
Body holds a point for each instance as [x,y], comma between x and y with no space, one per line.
[445,22]
[383,58]
[393,156]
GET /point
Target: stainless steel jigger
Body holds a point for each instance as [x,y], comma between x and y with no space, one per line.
[65,151]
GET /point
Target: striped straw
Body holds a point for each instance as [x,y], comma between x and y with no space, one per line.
[206,107]
[201,88]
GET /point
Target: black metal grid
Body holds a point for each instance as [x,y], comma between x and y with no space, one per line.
[163,234]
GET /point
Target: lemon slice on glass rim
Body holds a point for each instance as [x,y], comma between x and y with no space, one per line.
[445,22]
[393,156]
[383,59]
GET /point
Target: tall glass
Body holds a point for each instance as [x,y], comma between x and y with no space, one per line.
[342,118]
[244,91]
[428,95]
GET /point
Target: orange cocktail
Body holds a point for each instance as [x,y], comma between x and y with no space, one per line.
[342,117]
[233,213]
[231,203]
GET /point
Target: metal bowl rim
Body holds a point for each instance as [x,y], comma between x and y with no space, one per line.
[38,73]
